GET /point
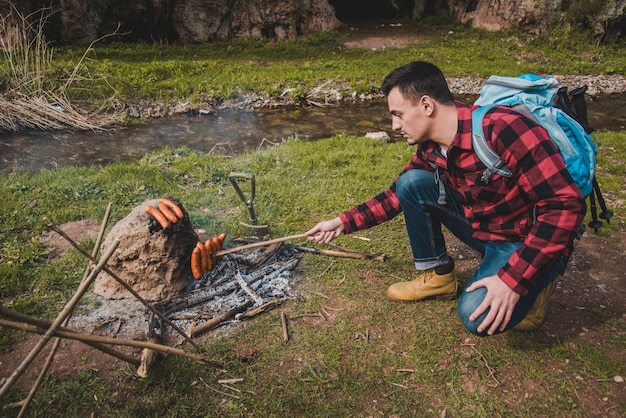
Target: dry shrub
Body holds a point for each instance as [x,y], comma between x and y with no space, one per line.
[32,97]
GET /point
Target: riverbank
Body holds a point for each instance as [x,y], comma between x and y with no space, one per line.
[334,93]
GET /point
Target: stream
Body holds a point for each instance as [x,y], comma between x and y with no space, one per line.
[227,131]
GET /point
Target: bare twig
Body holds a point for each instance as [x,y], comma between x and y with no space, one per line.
[492,371]
[325,271]
[261,309]
[57,342]
[283,319]
[344,254]
[219,391]
[306,315]
[230,381]
[43,324]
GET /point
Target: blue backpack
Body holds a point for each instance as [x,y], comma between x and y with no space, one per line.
[565,119]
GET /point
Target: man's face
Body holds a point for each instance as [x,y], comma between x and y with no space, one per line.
[410,119]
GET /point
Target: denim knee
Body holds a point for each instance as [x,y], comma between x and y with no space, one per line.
[416,185]
[468,302]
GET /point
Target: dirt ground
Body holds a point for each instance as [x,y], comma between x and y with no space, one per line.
[380,36]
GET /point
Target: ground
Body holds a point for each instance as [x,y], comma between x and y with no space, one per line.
[590,293]
[381,36]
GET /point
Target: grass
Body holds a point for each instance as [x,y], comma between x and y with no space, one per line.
[373,357]
[229,71]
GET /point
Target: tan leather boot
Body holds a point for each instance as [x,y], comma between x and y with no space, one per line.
[427,285]
[537,314]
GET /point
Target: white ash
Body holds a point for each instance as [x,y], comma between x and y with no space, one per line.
[271,279]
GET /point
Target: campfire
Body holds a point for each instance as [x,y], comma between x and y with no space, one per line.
[154,294]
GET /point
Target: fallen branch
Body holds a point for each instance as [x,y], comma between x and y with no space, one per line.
[344,254]
[43,324]
[57,342]
[72,335]
[261,309]
[212,323]
[283,319]
[219,391]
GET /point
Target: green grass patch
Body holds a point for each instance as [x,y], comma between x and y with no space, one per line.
[373,357]
[223,71]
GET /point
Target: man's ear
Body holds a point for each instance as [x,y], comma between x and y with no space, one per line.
[427,104]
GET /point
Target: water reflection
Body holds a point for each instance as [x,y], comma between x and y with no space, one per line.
[237,131]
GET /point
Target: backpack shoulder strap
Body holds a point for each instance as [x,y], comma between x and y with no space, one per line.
[489,157]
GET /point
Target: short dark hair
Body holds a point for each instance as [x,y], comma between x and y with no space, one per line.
[417,79]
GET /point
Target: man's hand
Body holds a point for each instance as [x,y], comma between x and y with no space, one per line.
[326,231]
[500,300]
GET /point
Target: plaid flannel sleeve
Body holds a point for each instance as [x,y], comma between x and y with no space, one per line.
[382,207]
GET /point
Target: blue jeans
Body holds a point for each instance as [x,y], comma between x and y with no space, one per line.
[424,216]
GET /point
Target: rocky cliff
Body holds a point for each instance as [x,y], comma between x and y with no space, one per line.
[193,21]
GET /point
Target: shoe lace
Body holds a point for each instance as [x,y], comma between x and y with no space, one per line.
[425,276]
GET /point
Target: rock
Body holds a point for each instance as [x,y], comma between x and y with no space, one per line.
[379,136]
[153,261]
[80,22]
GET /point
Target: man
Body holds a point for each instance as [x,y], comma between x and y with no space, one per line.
[522,225]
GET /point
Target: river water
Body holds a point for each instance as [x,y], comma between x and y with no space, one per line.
[227,131]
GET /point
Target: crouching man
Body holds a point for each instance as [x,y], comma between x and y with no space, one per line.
[523,225]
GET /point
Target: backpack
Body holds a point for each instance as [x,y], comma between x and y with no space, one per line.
[565,119]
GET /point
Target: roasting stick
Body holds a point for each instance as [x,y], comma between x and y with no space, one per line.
[345,254]
[259,244]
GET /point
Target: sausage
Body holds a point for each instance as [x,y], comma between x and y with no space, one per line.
[173,207]
[221,237]
[216,244]
[196,268]
[168,213]
[156,214]
[207,256]
[211,249]
[203,258]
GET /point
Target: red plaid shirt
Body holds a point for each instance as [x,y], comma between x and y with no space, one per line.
[539,205]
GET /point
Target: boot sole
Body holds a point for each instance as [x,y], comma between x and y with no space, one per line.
[433,297]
